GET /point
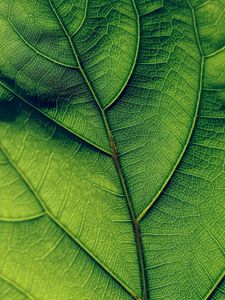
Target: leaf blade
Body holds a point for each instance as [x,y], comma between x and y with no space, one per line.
[88,198]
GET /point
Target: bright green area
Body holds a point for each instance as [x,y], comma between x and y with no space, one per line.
[183,233]
[8,291]
[18,201]
[153,118]
[44,263]
[151,75]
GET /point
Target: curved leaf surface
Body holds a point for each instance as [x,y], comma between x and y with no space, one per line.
[112,149]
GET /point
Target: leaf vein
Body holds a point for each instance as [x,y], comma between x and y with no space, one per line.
[116,162]
[66,230]
[16,286]
[146,210]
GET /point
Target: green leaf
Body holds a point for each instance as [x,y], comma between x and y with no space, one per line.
[112,141]
[9,292]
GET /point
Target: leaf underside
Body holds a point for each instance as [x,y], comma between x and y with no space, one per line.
[112,134]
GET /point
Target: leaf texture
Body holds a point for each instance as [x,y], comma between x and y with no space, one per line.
[112,139]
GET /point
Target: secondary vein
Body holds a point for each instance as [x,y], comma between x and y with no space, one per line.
[62,227]
[146,210]
[134,61]
[215,286]
[9,89]
[115,158]
[17,287]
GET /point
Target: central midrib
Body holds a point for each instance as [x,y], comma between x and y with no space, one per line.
[115,158]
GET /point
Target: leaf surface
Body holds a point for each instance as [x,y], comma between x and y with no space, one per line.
[112,149]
